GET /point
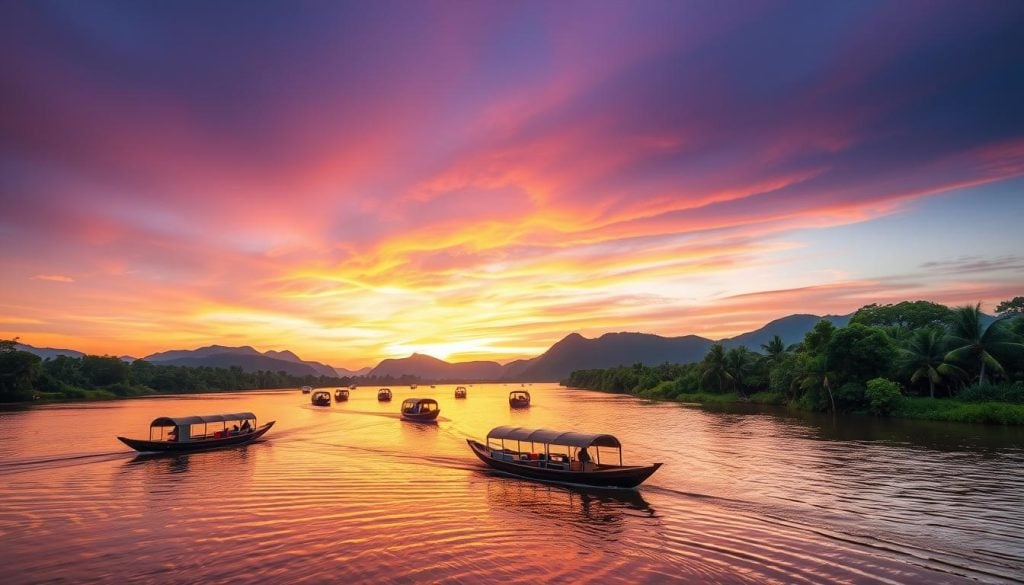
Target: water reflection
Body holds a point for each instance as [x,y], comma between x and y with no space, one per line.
[600,507]
[742,498]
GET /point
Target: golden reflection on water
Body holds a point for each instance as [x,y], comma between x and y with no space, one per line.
[350,492]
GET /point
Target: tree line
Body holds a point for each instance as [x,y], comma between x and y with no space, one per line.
[25,376]
[886,352]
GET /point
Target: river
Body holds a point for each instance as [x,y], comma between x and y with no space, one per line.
[352,494]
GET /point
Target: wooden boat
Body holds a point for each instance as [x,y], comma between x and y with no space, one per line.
[321,398]
[519,399]
[307,389]
[460,392]
[558,456]
[352,387]
[420,409]
[384,395]
[199,433]
[340,395]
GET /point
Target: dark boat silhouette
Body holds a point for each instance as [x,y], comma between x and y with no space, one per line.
[181,437]
[561,457]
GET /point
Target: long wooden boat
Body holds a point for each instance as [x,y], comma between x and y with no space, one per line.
[307,389]
[560,457]
[384,395]
[199,433]
[420,409]
[460,392]
[340,395]
[519,399]
[321,398]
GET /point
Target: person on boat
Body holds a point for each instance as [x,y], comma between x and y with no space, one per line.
[584,458]
[172,435]
[246,427]
[234,429]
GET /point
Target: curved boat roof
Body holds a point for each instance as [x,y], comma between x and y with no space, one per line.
[420,400]
[553,437]
[176,421]
[514,392]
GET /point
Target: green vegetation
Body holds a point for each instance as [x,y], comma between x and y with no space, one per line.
[24,377]
[891,360]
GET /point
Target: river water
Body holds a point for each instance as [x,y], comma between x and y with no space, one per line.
[352,494]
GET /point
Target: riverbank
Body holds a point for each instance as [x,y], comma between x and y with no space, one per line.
[938,409]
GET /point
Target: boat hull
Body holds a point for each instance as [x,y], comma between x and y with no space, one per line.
[204,445]
[519,403]
[421,417]
[614,477]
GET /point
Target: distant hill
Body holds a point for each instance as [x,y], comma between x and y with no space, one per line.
[344,373]
[48,353]
[245,357]
[575,352]
[248,363]
[431,368]
[791,329]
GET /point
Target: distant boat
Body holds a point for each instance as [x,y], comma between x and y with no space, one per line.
[413,386]
[352,387]
[420,409]
[519,399]
[432,386]
[559,457]
[384,395]
[199,433]
[307,389]
[340,395]
[460,392]
[321,398]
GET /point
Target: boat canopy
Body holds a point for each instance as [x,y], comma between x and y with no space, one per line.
[177,421]
[416,400]
[550,437]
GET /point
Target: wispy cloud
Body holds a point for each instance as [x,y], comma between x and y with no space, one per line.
[54,277]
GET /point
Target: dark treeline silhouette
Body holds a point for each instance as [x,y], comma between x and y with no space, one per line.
[885,353]
[24,376]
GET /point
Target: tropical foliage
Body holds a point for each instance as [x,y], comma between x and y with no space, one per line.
[885,355]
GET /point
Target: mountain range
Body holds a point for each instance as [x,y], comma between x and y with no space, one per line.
[573,352]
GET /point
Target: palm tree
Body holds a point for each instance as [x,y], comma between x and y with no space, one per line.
[925,357]
[714,368]
[774,348]
[816,373]
[974,343]
[739,363]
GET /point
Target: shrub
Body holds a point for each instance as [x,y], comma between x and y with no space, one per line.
[883,396]
[851,396]
[662,390]
[994,393]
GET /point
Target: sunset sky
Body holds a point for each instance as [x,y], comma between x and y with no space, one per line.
[475,180]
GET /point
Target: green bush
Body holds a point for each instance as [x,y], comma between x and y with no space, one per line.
[994,393]
[883,396]
[851,397]
[957,411]
[768,398]
[661,391]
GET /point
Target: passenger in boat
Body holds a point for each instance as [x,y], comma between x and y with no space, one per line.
[234,430]
[172,435]
[246,427]
[584,458]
